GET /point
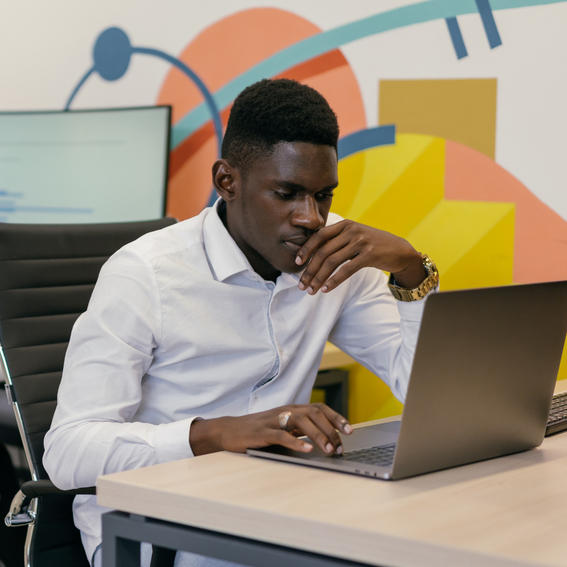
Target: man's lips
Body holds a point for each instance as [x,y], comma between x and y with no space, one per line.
[292,246]
[295,243]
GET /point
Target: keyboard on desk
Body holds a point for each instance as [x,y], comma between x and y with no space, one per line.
[382,456]
[557,420]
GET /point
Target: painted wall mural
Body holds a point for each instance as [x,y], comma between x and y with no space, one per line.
[426,168]
[439,186]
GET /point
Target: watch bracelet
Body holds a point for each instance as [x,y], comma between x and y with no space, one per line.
[430,282]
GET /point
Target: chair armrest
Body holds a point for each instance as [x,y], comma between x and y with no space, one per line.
[35,488]
[20,514]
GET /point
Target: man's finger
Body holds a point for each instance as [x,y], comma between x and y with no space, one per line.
[320,424]
[316,241]
[339,422]
[322,416]
[324,262]
[346,271]
[286,439]
[326,441]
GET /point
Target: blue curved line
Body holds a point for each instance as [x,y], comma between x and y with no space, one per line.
[209,100]
[364,139]
[79,85]
[326,41]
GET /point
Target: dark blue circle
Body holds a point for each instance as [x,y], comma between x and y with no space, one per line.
[111,54]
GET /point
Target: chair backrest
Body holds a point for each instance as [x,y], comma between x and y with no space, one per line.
[47,274]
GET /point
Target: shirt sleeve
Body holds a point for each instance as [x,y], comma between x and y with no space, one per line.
[378,331]
[110,350]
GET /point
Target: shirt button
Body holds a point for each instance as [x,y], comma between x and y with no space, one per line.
[255,398]
[280,350]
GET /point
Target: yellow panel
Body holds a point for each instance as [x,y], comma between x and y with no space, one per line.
[482,257]
[563,367]
[412,195]
[351,170]
[454,227]
[390,408]
[462,110]
[318,396]
[369,397]
[490,262]
[383,166]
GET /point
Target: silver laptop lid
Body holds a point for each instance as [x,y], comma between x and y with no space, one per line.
[486,361]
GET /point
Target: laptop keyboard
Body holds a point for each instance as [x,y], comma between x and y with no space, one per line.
[382,456]
[557,420]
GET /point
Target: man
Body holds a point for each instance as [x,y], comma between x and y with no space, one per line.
[207,335]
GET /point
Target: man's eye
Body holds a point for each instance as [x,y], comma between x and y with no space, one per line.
[284,195]
[324,196]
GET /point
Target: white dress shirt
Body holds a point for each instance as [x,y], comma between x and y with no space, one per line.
[179,325]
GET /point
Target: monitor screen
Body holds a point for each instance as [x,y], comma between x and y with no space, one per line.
[84,166]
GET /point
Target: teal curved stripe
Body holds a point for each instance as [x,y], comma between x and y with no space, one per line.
[326,41]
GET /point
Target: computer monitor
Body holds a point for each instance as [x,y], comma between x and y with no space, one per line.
[84,166]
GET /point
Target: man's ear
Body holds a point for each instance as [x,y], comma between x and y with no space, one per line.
[225,179]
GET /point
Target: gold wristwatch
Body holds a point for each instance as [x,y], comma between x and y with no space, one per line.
[430,282]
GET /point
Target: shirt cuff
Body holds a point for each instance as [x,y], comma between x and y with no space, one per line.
[413,310]
[172,440]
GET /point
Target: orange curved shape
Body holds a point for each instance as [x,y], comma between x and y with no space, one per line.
[220,53]
[540,245]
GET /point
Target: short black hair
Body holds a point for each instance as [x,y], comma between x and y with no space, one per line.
[273,111]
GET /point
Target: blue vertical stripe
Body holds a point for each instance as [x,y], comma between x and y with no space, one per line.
[457,37]
[488,22]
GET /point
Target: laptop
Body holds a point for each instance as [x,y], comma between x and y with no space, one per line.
[481,386]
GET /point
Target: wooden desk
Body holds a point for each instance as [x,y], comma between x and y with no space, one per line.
[503,512]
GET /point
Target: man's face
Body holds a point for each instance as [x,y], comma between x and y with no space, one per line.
[281,202]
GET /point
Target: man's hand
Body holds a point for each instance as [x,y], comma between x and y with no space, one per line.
[318,421]
[360,246]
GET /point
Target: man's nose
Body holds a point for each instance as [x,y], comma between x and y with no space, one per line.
[306,215]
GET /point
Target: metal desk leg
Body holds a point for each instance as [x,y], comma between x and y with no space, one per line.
[122,534]
[120,551]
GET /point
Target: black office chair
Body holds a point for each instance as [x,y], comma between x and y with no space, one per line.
[9,434]
[47,274]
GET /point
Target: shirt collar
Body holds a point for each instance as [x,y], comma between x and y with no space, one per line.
[223,253]
[225,257]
